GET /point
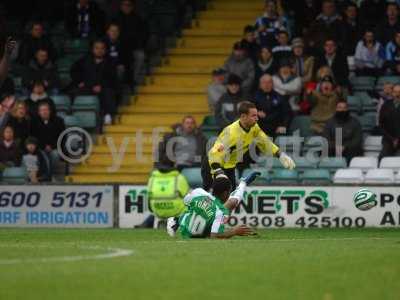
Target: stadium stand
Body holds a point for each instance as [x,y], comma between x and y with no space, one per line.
[178,71]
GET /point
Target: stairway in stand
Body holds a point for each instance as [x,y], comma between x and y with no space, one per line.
[123,154]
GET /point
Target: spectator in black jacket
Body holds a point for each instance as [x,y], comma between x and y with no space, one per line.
[84,19]
[38,95]
[118,53]
[283,50]
[274,112]
[187,144]
[389,121]
[10,155]
[20,121]
[372,11]
[95,74]
[351,132]
[31,43]
[249,42]
[41,68]
[352,29]
[389,26]
[134,34]
[327,24]
[226,110]
[47,127]
[336,61]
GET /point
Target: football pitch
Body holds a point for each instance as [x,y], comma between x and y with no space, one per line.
[147,264]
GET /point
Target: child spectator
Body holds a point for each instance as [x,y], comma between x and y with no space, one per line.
[9,149]
[369,57]
[35,162]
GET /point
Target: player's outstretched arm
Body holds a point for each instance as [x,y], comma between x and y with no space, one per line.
[241,230]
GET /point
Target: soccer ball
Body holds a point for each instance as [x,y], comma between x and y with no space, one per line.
[365,199]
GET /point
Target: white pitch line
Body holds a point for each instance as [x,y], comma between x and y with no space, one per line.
[113,252]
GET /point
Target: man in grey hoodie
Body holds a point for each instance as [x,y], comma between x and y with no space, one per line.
[241,65]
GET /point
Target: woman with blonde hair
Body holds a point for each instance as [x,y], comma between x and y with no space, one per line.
[20,121]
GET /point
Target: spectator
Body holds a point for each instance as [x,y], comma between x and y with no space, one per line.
[350,132]
[327,24]
[270,23]
[304,13]
[282,50]
[387,29]
[226,110]
[240,65]
[369,57]
[266,64]
[20,122]
[249,42]
[134,34]
[41,68]
[384,96]
[9,149]
[187,144]
[84,19]
[288,85]
[372,11]
[352,29]
[95,74]
[36,162]
[273,111]
[393,55]
[336,61]
[304,64]
[389,121]
[323,104]
[216,89]
[7,102]
[31,43]
[117,53]
[47,127]
[38,95]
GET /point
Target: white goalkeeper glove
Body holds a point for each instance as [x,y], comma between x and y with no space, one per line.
[287,161]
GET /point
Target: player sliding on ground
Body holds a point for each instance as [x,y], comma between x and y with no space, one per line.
[233,145]
[207,213]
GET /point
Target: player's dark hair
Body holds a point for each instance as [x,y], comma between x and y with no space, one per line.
[220,186]
[245,106]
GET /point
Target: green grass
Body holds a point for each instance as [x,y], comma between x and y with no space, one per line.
[279,264]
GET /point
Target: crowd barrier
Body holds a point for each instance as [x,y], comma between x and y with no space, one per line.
[124,206]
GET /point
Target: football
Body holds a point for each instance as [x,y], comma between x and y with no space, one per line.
[364,199]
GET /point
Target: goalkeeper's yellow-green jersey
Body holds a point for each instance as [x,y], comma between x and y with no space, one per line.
[234,141]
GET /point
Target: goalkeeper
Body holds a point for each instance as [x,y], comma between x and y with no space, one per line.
[234,142]
[207,213]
